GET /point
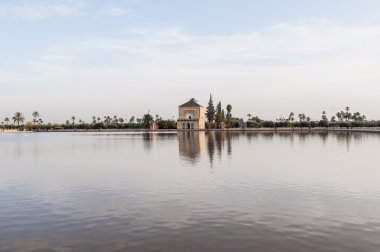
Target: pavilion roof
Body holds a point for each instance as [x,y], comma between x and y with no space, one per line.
[191,103]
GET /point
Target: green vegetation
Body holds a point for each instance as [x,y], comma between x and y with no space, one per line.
[342,119]
[96,123]
[216,118]
[210,110]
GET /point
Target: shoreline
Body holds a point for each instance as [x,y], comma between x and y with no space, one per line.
[257,130]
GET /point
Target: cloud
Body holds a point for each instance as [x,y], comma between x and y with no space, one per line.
[38,10]
[286,67]
[114,10]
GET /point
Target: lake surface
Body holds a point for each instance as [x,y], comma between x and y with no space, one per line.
[190,191]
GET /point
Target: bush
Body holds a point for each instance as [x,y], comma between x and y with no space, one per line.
[268,124]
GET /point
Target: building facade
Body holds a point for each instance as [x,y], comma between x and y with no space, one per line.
[191,116]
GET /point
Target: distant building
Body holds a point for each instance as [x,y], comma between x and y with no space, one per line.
[191,115]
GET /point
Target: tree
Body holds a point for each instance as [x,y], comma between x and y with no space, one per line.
[94,119]
[229,115]
[157,118]
[73,119]
[107,119]
[67,122]
[218,115]
[291,117]
[132,119]
[147,120]
[249,117]
[324,117]
[339,116]
[98,119]
[210,110]
[18,117]
[347,115]
[302,117]
[256,119]
[6,120]
[121,120]
[35,116]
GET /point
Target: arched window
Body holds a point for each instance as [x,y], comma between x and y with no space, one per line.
[189,115]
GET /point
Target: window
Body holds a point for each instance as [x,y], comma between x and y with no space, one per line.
[189,115]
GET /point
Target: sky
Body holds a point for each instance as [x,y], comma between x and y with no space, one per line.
[86,58]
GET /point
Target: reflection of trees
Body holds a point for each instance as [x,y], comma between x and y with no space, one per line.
[210,146]
[219,139]
[216,143]
[268,135]
[252,136]
[220,143]
[346,138]
[229,146]
[302,137]
[148,140]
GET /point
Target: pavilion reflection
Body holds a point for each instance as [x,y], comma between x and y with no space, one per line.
[191,145]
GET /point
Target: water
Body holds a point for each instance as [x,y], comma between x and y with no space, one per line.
[189,192]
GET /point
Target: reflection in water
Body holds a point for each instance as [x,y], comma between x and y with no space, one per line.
[216,142]
[285,192]
[191,144]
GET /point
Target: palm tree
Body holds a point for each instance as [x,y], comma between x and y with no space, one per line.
[98,119]
[18,117]
[301,117]
[324,117]
[249,117]
[94,119]
[339,116]
[73,119]
[35,116]
[291,117]
[6,120]
[347,114]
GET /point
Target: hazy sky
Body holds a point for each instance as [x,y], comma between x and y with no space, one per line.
[266,58]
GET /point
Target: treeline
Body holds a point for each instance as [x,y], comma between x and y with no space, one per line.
[216,118]
[107,122]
